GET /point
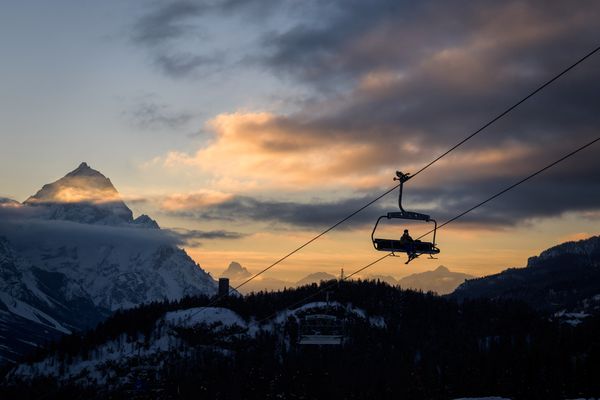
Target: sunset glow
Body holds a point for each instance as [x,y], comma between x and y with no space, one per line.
[265,125]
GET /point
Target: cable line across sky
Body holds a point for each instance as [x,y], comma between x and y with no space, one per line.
[460,143]
[500,193]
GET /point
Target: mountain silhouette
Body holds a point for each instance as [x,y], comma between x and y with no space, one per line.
[566,276]
[441,280]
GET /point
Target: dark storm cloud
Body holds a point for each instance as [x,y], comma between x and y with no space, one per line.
[193,235]
[321,46]
[447,78]
[551,194]
[179,65]
[349,38]
[167,22]
[175,19]
[311,215]
[409,79]
[417,76]
[544,196]
[164,27]
[149,114]
[443,68]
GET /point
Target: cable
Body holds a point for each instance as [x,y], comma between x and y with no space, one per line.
[218,298]
[412,176]
[505,112]
[327,286]
[317,237]
[515,185]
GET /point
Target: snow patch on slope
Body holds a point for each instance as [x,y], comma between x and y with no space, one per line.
[376,321]
[162,339]
[26,311]
[204,315]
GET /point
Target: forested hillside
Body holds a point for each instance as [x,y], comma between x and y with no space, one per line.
[399,344]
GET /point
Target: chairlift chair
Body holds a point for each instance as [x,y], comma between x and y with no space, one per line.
[415,248]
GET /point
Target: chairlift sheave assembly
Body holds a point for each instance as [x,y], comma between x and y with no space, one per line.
[321,329]
[413,248]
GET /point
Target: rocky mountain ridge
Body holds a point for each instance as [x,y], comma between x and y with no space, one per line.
[562,278]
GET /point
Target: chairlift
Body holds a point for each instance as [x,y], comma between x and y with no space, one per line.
[321,329]
[413,248]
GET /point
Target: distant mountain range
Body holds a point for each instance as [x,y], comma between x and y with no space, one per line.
[237,274]
[315,278]
[441,280]
[564,277]
[72,254]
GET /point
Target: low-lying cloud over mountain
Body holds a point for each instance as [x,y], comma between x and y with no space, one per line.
[315,214]
[72,254]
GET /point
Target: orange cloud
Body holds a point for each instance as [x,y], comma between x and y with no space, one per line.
[258,150]
[263,151]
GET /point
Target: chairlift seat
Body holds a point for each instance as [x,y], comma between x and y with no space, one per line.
[397,246]
[321,340]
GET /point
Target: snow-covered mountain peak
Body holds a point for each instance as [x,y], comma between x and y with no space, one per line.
[82,185]
[146,222]
[87,196]
[235,271]
[85,170]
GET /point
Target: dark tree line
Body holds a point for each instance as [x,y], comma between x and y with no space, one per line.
[430,347]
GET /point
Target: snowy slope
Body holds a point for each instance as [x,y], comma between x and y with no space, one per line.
[109,361]
[115,355]
[73,253]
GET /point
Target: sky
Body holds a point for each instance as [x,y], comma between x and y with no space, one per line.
[271,120]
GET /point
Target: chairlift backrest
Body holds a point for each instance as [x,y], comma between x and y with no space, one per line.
[409,215]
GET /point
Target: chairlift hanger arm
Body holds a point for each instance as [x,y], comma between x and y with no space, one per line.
[375,228]
[402,177]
